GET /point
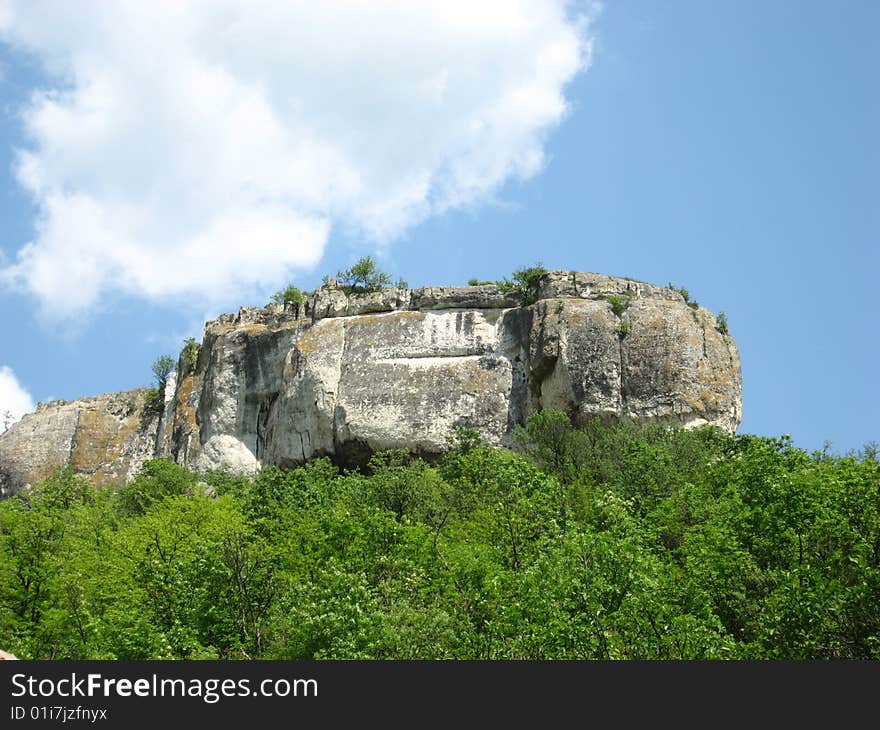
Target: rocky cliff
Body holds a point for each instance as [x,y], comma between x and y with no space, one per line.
[346,376]
[106,438]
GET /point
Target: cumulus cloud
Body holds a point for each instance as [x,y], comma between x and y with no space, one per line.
[212,146]
[15,401]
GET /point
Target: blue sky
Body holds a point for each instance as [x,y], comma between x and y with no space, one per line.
[730,147]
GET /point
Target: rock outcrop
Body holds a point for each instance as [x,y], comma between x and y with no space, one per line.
[345,376]
[106,438]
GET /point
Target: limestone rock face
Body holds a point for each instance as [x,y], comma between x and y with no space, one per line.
[345,376]
[106,438]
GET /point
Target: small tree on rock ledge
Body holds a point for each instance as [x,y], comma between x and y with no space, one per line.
[363,277]
[162,368]
[289,295]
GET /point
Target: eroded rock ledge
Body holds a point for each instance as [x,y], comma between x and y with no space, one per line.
[346,376]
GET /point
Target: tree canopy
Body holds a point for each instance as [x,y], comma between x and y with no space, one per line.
[365,277]
[643,542]
[163,367]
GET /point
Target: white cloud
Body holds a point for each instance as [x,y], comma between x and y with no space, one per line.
[206,147]
[15,401]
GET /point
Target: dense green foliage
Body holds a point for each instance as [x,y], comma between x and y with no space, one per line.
[523,282]
[153,400]
[607,542]
[189,355]
[289,295]
[618,304]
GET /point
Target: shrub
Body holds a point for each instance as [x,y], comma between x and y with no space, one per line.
[153,400]
[290,295]
[190,354]
[462,440]
[526,280]
[685,294]
[523,282]
[722,323]
[623,329]
[618,304]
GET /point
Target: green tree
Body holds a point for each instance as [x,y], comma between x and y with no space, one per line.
[363,277]
[157,479]
[527,279]
[162,368]
[29,538]
[178,575]
[33,529]
[549,438]
[410,489]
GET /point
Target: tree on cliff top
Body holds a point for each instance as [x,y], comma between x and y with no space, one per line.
[364,277]
[289,295]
